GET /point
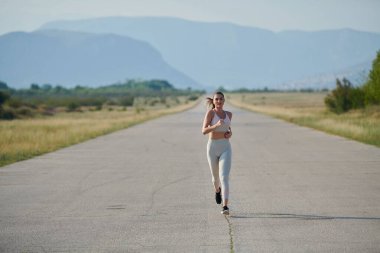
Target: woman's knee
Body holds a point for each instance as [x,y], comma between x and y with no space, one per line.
[224,179]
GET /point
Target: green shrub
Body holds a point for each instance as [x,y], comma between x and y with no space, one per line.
[163,100]
[193,97]
[73,106]
[344,97]
[7,114]
[48,111]
[139,109]
[112,102]
[25,111]
[15,102]
[154,102]
[357,98]
[126,101]
[372,87]
[3,97]
[98,107]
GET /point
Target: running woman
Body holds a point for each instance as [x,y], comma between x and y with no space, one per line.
[217,123]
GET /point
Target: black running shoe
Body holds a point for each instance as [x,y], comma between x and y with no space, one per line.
[225,210]
[218,196]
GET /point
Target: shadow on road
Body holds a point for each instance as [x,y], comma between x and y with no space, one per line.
[298,216]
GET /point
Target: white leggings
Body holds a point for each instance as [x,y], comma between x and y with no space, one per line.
[219,159]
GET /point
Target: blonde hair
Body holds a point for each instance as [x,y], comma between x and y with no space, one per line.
[210,101]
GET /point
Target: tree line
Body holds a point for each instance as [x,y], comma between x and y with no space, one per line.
[18,103]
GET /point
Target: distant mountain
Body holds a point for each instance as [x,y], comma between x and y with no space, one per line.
[76,58]
[238,56]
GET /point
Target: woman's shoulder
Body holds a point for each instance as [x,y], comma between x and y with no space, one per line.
[210,113]
[229,114]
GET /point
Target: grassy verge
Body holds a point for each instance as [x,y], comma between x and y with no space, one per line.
[307,109]
[23,139]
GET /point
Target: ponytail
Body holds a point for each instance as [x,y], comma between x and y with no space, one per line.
[210,103]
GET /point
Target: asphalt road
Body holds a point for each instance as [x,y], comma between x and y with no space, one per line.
[148,189]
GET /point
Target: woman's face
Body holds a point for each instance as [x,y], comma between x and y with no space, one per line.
[218,101]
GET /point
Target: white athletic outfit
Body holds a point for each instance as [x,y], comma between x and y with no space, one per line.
[219,156]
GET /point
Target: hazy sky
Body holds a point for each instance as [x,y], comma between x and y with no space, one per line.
[275,15]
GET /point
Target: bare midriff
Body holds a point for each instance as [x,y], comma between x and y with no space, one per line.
[217,135]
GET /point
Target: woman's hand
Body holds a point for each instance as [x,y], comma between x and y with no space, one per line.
[219,123]
[228,134]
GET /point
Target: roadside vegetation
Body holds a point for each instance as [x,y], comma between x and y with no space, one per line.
[43,118]
[346,97]
[348,111]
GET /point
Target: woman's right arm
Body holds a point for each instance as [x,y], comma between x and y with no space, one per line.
[207,128]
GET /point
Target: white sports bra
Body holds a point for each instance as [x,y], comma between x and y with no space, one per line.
[226,125]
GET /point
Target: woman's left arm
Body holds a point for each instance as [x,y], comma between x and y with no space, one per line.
[228,134]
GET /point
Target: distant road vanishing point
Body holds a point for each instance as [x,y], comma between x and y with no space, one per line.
[148,189]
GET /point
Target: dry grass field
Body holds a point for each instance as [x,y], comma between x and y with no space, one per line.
[308,109]
[24,138]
